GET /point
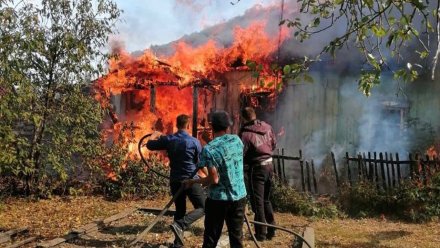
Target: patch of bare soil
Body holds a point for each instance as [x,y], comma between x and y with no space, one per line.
[54,218]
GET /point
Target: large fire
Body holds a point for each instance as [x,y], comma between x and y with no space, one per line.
[154,90]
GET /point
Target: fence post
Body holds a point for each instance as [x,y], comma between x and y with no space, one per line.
[348,168]
[315,185]
[336,169]
[277,171]
[425,170]
[359,160]
[309,187]
[376,173]
[364,166]
[411,165]
[417,166]
[283,165]
[382,170]
[370,168]
[301,164]
[393,174]
[388,170]
[399,175]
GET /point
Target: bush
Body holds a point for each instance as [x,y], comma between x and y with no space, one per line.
[287,199]
[135,182]
[361,200]
[411,201]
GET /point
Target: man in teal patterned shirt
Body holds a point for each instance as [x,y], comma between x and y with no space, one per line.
[223,158]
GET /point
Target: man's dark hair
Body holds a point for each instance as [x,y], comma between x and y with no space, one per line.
[182,121]
[248,114]
[220,121]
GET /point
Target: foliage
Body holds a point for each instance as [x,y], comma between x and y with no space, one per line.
[136,182]
[398,36]
[382,31]
[411,201]
[48,54]
[287,199]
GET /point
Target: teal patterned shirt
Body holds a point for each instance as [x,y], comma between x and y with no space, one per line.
[226,154]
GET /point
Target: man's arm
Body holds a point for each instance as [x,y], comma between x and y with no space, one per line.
[159,144]
[273,139]
[246,145]
[212,178]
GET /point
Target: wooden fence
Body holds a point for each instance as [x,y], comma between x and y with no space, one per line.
[385,170]
[307,169]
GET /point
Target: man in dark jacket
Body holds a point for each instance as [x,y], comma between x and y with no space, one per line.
[183,152]
[259,142]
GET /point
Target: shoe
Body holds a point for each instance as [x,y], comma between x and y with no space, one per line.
[178,234]
[270,235]
[260,238]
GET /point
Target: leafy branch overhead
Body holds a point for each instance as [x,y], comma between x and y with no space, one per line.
[394,35]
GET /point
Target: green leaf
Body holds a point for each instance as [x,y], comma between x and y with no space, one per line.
[287,69]
[316,22]
[379,31]
[390,39]
[423,54]
[369,3]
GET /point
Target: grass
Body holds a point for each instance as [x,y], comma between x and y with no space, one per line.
[54,217]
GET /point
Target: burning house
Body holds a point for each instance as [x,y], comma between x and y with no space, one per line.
[145,93]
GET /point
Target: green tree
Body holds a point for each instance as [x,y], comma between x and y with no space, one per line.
[49,51]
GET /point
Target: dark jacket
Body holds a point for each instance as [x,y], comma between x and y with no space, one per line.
[183,151]
[259,141]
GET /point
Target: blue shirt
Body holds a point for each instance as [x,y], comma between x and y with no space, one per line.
[225,153]
[183,151]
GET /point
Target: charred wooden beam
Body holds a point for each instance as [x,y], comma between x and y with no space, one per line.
[152,99]
[195,110]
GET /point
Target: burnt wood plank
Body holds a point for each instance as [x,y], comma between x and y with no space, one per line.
[118,216]
[309,236]
[57,241]
[156,211]
[22,242]
[7,236]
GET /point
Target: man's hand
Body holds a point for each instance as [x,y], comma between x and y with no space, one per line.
[202,172]
[188,183]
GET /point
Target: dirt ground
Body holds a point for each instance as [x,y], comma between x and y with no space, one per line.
[54,218]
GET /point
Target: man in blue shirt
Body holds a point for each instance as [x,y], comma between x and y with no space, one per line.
[223,158]
[183,152]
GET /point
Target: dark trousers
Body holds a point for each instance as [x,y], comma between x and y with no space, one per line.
[260,190]
[217,212]
[197,196]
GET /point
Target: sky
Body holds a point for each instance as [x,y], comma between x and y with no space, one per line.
[156,22]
